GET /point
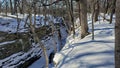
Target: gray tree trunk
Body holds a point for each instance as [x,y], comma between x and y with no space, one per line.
[71,16]
[11,7]
[78,2]
[117,36]
[112,11]
[83,14]
[15,6]
[96,11]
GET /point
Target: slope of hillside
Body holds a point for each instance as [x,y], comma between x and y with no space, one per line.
[88,53]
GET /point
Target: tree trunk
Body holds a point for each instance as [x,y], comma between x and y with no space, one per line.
[117,36]
[78,2]
[0,7]
[11,7]
[22,10]
[96,13]
[112,11]
[72,18]
[35,12]
[70,12]
[35,36]
[83,14]
[105,8]
[93,14]
[6,7]
[15,6]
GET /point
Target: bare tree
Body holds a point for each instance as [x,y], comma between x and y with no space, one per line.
[36,38]
[96,10]
[6,7]
[70,12]
[112,10]
[0,6]
[11,7]
[105,6]
[15,6]
[78,2]
[117,36]
[93,14]
[83,16]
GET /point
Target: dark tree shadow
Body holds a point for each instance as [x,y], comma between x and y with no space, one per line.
[107,62]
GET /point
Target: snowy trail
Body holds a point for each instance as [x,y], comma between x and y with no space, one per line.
[86,53]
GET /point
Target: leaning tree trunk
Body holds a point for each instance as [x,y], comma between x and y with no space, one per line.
[117,36]
[83,14]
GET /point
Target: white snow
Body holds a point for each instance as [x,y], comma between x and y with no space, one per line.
[77,53]
[9,24]
[87,53]
[49,43]
[8,42]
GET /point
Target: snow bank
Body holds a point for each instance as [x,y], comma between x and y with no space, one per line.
[87,53]
[49,43]
[9,24]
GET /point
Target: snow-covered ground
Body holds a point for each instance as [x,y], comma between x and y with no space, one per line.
[19,58]
[40,63]
[77,53]
[88,53]
[9,24]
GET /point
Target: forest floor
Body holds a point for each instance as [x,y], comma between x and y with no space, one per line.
[18,50]
[88,53]
[76,53]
